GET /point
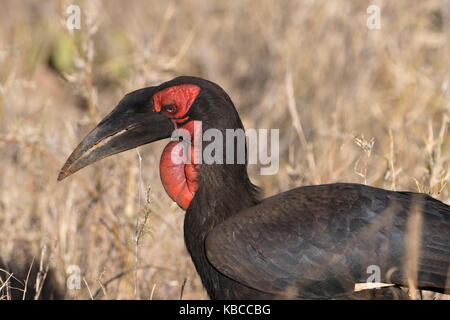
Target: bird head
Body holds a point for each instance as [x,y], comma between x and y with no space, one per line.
[151,114]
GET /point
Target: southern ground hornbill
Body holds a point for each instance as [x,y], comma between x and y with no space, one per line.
[312,242]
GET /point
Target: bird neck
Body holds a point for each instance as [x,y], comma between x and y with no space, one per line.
[183,169]
[223,191]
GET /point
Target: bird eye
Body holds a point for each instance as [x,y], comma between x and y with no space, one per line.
[170,108]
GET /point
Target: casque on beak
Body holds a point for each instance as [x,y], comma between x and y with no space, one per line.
[131,124]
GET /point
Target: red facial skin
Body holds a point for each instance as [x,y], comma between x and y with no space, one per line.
[181,97]
[179,180]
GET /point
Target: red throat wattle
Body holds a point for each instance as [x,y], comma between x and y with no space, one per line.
[180,180]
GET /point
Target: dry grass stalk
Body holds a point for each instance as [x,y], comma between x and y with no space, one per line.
[413,248]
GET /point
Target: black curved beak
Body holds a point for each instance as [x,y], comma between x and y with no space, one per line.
[131,124]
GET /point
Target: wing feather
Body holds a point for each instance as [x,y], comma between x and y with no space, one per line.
[318,241]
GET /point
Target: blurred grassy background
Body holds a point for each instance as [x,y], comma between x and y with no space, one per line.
[352,104]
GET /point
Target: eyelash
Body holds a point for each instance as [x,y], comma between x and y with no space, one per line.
[170,108]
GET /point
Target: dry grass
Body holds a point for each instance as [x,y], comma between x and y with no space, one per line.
[353,105]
